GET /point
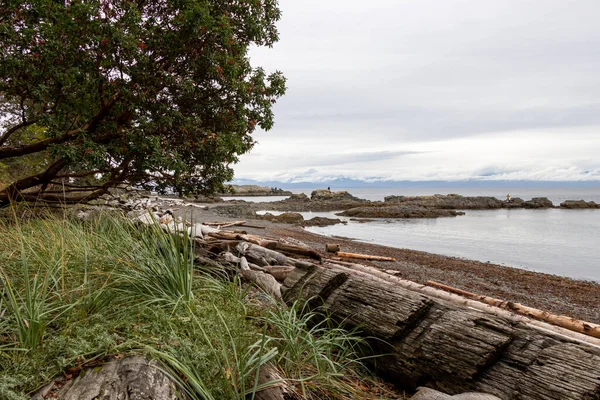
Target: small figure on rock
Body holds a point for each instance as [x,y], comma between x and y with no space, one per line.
[329,188]
[508,198]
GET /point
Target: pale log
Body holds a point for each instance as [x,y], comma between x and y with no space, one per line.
[572,324]
[364,256]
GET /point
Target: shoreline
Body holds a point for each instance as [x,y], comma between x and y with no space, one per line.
[553,293]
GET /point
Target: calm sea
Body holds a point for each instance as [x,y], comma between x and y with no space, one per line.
[555,241]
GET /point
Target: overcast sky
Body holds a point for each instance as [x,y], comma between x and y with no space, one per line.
[433,90]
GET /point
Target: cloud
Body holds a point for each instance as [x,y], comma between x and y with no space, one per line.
[426,89]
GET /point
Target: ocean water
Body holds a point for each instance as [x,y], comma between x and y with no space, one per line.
[555,241]
[256,199]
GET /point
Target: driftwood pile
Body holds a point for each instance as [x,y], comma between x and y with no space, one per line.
[424,336]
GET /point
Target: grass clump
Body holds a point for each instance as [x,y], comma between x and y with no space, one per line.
[78,292]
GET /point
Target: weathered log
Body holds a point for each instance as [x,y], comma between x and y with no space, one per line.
[332,247]
[364,256]
[293,249]
[133,378]
[221,225]
[463,302]
[424,393]
[280,273]
[253,226]
[444,343]
[262,280]
[572,324]
[262,256]
[277,386]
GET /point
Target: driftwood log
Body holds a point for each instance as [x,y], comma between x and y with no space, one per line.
[445,344]
[132,378]
[569,323]
[280,389]
[332,247]
[364,256]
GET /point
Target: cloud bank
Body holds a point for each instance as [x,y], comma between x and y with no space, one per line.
[430,90]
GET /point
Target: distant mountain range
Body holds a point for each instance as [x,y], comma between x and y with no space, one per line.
[374,183]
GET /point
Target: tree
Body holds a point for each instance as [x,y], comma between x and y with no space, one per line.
[149,93]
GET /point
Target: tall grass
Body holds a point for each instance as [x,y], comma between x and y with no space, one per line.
[161,269]
[74,291]
[313,349]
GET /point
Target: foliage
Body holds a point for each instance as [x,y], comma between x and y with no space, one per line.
[86,284]
[145,92]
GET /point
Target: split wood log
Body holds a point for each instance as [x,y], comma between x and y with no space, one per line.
[447,344]
[332,247]
[364,256]
[572,324]
[277,386]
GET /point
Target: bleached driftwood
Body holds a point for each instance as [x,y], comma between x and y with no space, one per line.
[263,280]
[572,324]
[363,256]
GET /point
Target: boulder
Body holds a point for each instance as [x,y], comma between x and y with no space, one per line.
[131,378]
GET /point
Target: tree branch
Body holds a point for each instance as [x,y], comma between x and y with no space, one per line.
[15,151]
[15,128]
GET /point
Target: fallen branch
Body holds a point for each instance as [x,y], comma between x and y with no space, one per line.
[364,256]
[572,324]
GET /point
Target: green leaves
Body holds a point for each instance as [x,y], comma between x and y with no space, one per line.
[162,92]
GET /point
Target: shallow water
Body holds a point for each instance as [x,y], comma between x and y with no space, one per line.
[555,241]
[256,199]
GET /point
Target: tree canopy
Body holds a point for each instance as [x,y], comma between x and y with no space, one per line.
[150,93]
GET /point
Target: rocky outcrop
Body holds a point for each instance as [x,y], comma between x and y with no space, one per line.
[458,202]
[255,190]
[579,204]
[323,221]
[320,200]
[131,378]
[399,212]
[328,195]
[538,202]
[285,218]
[449,345]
